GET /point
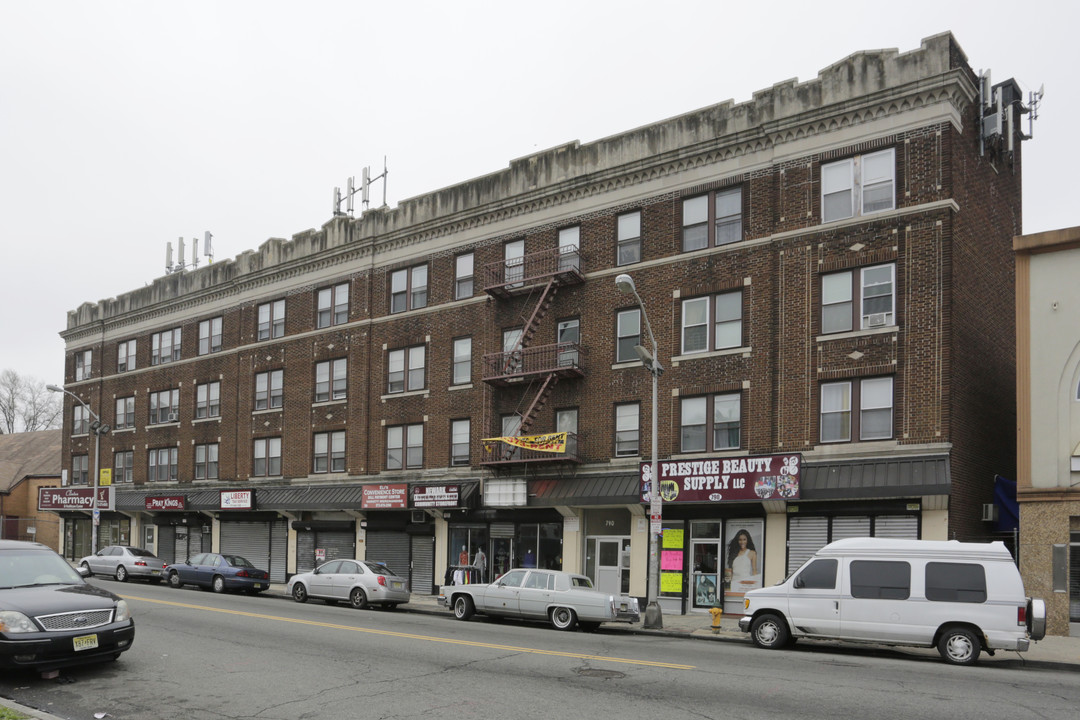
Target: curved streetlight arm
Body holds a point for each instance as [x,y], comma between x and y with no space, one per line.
[57,388]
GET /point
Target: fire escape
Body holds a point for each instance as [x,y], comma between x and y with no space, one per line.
[525,369]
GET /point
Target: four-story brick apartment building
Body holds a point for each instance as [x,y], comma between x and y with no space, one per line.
[827,270]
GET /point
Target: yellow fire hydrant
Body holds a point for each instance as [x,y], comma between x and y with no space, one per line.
[717,613]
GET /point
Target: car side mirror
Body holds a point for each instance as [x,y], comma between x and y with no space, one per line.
[83,571]
[798,582]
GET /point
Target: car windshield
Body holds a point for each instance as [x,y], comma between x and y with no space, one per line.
[379,568]
[237,561]
[27,567]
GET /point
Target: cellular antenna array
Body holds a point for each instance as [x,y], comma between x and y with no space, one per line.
[350,191]
[180,265]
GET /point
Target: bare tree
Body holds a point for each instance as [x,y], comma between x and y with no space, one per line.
[26,406]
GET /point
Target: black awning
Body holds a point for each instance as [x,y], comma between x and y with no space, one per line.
[877,478]
[609,489]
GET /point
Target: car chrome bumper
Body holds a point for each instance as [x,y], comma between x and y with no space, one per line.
[744,623]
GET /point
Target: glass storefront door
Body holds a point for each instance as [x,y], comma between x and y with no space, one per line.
[705,559]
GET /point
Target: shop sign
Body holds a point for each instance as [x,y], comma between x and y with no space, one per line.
[237,499]
[435,496]
[385,497]
[75,498]
[710,480]
[167,502]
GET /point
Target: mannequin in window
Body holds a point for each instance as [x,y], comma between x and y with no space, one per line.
[480,563]
[463,556]
[530,560]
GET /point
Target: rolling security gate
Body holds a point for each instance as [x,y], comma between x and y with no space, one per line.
[422,576]
[390,547]
[336,544]
[188,542]
[166,544]
[807,535]
[263,543]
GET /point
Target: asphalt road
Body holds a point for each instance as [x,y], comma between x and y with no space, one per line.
[200,655]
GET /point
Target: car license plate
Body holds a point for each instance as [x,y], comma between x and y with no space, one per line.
[257,586]
[395,584]
[155,572]
[85,642]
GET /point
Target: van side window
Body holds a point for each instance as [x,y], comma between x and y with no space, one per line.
[880,579]
[955,582]
[819,575]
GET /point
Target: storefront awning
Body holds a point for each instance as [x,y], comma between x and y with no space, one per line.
[878,478]
[620,489]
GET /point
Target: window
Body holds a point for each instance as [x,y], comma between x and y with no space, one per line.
[627,429]
[404,441]
[858,186]
[267,457]
[459,442]
[955,582]
[566,421]
[333,306]
[514,262]
[331,380]
[123,466]
[874,398]
[699,334]
[463,276]
[163,465]
[271,320]
[164,406]
[80,469]
[408,289]
[628,330]
[406,369]
[818,575]
[125,413]
[165,347]
[206,462]
[462,360]
[570,248]
[568,335]
[83,364]
[712,220]
[210,336]
[711,423]
[875,287]
[80,420]
[268,389]
[208,400]
[880,579]
[329,452]
[125,356]
[628,238]
[512,355]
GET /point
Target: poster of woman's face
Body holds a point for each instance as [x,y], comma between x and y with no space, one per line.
[742,560]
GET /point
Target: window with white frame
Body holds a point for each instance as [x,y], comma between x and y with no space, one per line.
[404,445]
[125,413]
[406,369]
[210,336]
[269,389]
[208,400]
[125,356]
[711,423]
[858,186]
[271,320]
[83,364]
[165,347]
[712,220]
[566,420]
[568,339]
[463,276]
[80,469]
[329,452]
[627,429]
[206,461]
[332,305]
[628,332]
[874,421]
[570,248]
[864,298]
[462,360]
[712,322]
[514,262]
[408,288]
[267,452]
[628,238]
[80,420]
[123,466]
[164,406]
[162,464]
[331,380]
[459,442]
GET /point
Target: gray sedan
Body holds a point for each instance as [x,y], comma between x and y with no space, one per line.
[124,561]
[359,582]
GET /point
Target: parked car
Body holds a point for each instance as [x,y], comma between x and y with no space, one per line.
[961,598]
[218,572]
[123,562]
[50,617]
[359,582]
[563,599]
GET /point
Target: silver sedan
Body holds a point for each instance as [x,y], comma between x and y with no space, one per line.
[123,562]
[358,582]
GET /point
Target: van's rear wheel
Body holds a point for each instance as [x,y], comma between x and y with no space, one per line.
[769,631]
[959,646]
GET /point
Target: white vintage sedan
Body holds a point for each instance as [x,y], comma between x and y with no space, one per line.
[563,599]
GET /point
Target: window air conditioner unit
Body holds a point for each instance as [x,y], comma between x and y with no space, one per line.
[173,417]
[419,516]
[990,512]
[876,320]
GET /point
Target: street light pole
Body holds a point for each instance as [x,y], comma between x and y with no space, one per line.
[99,429]
[654,617]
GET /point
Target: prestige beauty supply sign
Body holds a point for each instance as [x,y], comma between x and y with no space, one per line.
[712,480]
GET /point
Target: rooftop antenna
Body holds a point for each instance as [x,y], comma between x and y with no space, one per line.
[364,190]
[1034,101]
[168,257]
[208,250]
[194,252]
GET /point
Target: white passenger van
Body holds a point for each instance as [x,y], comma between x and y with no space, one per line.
[959,597]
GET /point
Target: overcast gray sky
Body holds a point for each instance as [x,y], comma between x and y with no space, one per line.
[124,125]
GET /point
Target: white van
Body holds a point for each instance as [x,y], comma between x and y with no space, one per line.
[959,597]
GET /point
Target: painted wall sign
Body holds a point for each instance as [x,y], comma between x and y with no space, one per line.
[385,497]
[711,480]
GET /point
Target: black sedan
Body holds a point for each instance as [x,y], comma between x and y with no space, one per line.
[219,572]
[50,617]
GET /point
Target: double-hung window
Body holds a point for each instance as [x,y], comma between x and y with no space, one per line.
[165,347]
[462,360]
[570,248]
[628,335]
[206,461]
[329,452]
[405,446]
[163,466]
[125,356]
[463,276]
[83,363]
[627,429]
[858,186]
[80,420]
[210,336]
[123,466]
[125,413]
[628,238]
[406,369]
[874,420]
[269,389]
[80,469]
[331,380]
[208,400]
[713,219]
[332,305]
[459,442]
[864,298]
[164,406]
[271,320]
[711,423]
[712,322]
[267,453]
[568,339]
[408,288]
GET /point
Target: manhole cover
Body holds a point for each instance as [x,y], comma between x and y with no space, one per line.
[596,673]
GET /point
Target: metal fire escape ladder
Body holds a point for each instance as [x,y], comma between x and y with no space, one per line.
[513,357]
[537,404]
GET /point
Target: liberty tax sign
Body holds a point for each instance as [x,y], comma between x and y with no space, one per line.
[709,480]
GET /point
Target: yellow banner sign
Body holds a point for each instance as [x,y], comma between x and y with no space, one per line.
[106,476]
[551,442]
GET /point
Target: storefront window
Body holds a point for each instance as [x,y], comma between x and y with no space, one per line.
[742,560]
[672,558]
[538,545]
[468,548]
